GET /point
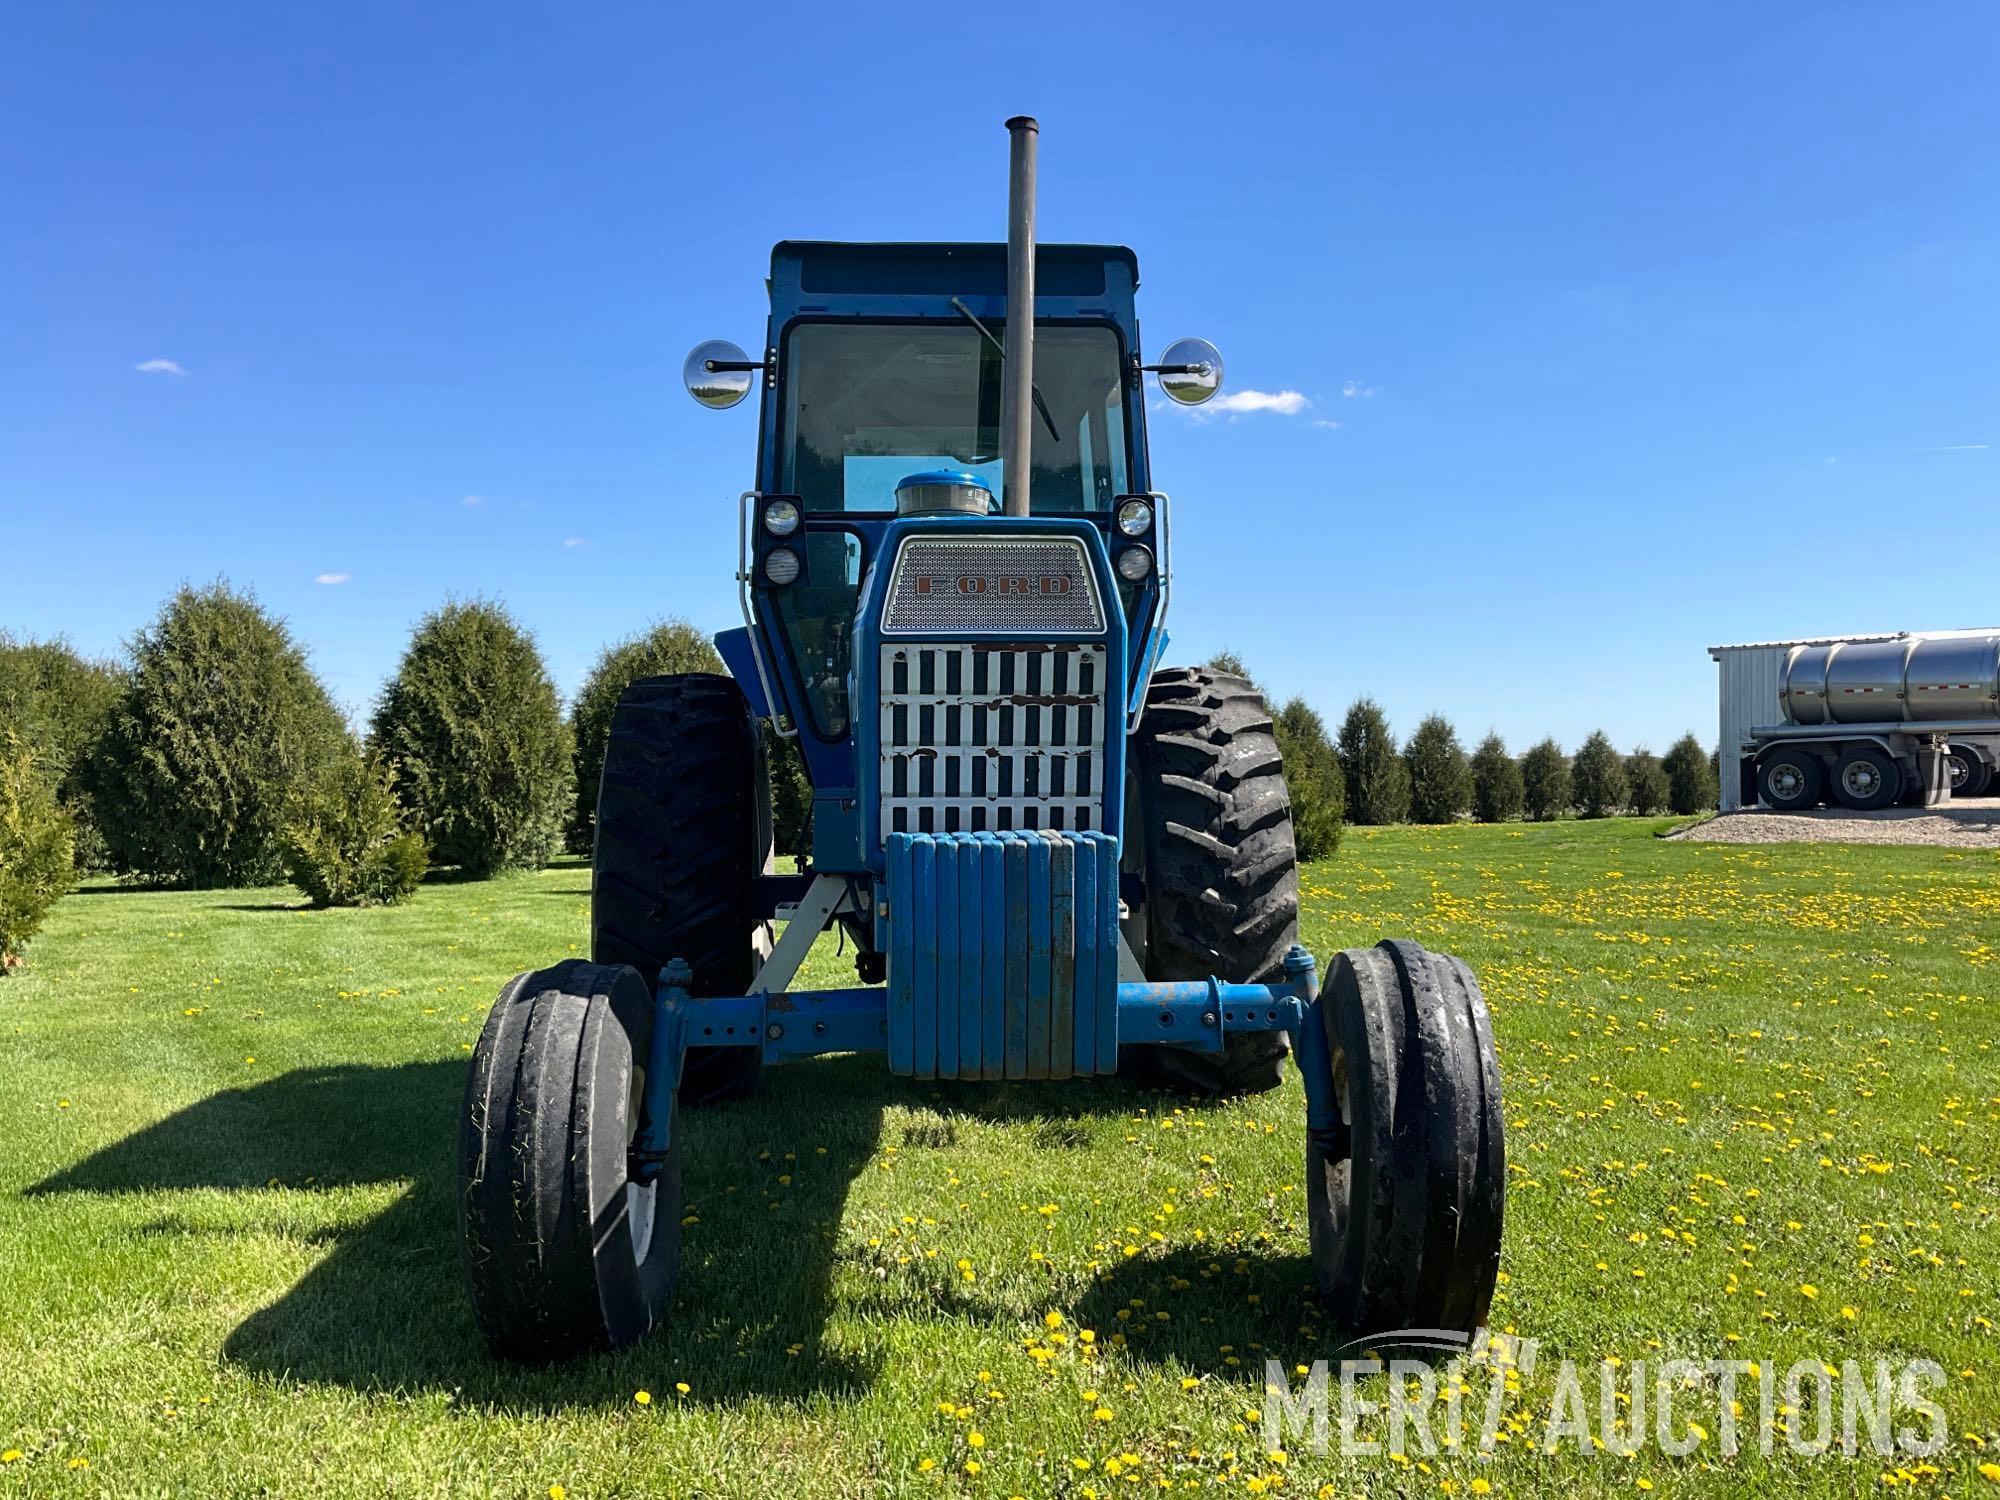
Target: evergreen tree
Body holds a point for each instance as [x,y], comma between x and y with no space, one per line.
[220,722]
[1313,776]
[60,704]
[1378,786]
[1545,781]
[1497,794]
[1645,782]
[1598,775]
[1440,778]
[1691,784]
[480,752]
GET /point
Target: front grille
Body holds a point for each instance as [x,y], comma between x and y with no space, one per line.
[979,739]
[1033,586]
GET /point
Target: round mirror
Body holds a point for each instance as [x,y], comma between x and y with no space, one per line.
[1190,371]
[723,388]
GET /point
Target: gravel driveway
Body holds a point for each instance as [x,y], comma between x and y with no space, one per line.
[1967,824]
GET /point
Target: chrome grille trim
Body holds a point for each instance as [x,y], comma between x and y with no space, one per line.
[973,585]
[990,738]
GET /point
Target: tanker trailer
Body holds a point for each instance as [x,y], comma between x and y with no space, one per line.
[1862,723]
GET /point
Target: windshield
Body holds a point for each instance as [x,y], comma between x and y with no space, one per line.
[868,404]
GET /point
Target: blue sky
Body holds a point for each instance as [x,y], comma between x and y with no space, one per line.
[1606,333]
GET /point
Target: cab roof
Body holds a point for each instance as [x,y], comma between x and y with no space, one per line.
[948,269]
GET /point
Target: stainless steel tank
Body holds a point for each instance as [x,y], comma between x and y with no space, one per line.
[1912,679]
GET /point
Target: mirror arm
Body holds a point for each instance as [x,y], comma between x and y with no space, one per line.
[1200,369]
[724,366]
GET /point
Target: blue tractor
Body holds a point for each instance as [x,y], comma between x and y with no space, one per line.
[1064,858]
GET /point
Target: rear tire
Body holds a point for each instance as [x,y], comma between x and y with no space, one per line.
[1866,778]
[563,1252]
[683,831]
[1405,1201]
[1218,864]
[1977,776]
[1789,780]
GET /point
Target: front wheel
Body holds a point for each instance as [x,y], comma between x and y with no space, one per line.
[1789,780]
[1405,1187]
[1218,865]
[564,1251]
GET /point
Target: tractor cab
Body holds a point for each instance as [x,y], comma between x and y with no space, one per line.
[882,397]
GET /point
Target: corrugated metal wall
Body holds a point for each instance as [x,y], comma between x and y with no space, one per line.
[1749,700]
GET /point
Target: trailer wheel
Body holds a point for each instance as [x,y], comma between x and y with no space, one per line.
[1405,1196]
[1218,865]
[564,1252]
[1789,779]
[1970,776]
[683,830]
[1866,778]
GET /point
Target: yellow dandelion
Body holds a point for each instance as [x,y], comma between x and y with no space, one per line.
[681,1386]
[12,1456]
[975,1440]
[1481,1487]
[1053,1320]
[973,1466]
[925,1465]
[1808,1290]
[1102,1414]
[644,1398]
[557,1492]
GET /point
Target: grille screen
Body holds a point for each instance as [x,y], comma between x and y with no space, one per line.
[984,739]
[971,585]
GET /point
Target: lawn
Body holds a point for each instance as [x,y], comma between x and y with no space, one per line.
[1753,1110]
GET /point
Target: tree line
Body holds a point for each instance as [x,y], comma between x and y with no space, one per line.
[212,755]
[1361,775]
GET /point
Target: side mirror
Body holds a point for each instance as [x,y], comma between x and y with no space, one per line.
[1190,371]
[718,374]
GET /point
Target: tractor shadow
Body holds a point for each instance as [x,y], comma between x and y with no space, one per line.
[385,1311]
[1219,1310]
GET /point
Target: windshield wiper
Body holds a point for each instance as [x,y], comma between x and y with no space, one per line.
[1040,405]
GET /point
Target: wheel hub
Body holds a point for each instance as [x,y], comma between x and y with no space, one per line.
[1861,779]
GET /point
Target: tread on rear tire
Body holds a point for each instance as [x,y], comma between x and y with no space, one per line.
[1219,866]
[682,833]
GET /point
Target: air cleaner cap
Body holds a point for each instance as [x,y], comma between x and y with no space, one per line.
[950,491]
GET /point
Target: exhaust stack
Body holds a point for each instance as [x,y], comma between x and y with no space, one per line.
[1017,395]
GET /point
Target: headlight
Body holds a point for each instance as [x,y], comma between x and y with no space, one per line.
[781,566]
[781,518]
[1135,564]
[1135,518]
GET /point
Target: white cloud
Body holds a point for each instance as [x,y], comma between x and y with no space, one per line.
[1285,403]
[334,578]
[1323,422]
[575,541]
[159,367]
[1356,388]
[473,502]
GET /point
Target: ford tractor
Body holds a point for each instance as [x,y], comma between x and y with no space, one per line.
[1054,857]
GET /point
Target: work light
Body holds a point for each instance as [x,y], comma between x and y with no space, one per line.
[781,566]
[781,518]
[1135,518]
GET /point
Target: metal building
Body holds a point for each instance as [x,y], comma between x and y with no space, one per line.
[1749,695]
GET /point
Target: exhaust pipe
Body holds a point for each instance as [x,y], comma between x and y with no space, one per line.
[1017,394]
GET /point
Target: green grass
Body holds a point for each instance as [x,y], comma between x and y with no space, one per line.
[228,1260]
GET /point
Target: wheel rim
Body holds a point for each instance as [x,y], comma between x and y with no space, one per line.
[1862,778]
[1958,770]
[1787,781]
[641,1202]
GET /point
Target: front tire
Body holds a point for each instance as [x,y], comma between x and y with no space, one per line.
[1405,1195]
[683,830]
[564,1252]
[1219,867]
[1789,780]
